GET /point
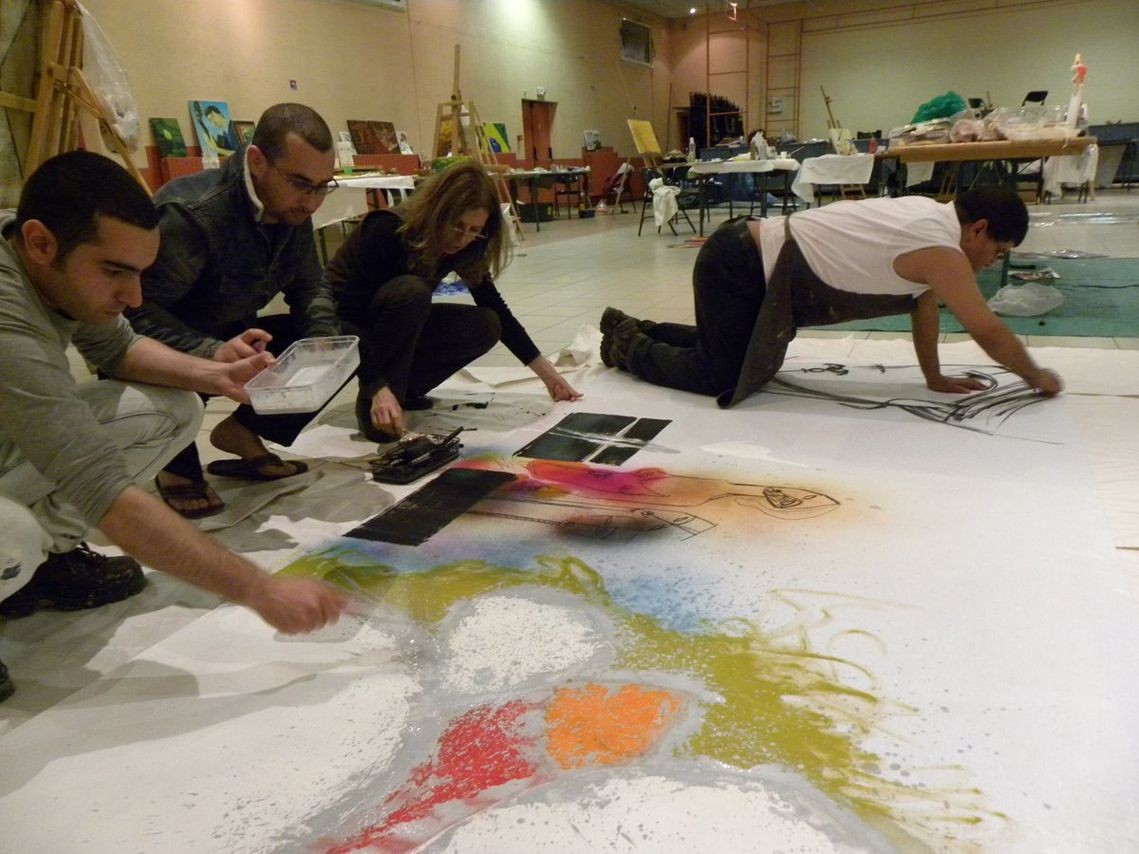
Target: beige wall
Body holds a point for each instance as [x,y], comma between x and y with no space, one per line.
[353,60]
[710,52]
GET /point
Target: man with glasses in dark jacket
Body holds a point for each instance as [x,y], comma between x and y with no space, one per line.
[233,239]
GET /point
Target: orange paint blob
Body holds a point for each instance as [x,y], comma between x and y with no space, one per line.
[592,726]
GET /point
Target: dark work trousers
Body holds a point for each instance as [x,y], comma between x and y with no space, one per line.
[729,286]
[410,344]
[282,429]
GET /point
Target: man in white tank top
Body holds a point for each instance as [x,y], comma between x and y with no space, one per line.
[755,282]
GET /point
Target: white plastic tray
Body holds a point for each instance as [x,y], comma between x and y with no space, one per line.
[306,375]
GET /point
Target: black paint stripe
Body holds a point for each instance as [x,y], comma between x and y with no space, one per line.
[431,508]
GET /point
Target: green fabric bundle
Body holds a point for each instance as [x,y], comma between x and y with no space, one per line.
[939,108]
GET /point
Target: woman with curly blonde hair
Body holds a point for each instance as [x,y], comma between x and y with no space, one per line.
[384,276]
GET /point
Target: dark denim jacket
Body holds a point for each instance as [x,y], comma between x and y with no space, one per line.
[217,266]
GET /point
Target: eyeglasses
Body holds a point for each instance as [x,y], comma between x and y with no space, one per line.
[303,186]
[472,234]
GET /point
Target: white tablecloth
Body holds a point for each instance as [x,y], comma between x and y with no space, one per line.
[403,183]
[351,198]
[720,167]
[918,173]
[831,169]
[1073,169]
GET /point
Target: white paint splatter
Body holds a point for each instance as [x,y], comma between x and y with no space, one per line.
[673,807]
[746,451]
[547,639]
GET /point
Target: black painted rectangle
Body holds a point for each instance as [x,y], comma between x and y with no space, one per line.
[432,507]
[643,431]
[575,437]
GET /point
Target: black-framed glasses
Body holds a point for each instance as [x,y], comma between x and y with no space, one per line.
[472,234]
[303,186]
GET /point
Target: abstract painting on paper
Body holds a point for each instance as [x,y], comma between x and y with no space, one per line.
[828,618]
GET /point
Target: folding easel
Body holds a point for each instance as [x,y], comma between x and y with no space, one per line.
[63,89]
[453,112]
[840,142]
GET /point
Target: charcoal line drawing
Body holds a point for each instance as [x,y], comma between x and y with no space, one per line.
[995,405]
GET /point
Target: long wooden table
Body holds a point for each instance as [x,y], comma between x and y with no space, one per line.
[1005,149]
[1004,154]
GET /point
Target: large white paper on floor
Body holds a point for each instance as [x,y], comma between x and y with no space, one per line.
[928,609]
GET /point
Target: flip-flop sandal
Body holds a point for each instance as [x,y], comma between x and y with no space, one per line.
[189,492]
[254,469]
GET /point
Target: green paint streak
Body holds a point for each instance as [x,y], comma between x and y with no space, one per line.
[778,705]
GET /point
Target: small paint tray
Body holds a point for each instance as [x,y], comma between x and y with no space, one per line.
[416,456]
[305,376]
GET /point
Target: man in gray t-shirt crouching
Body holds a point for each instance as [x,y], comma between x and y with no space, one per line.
[71,454]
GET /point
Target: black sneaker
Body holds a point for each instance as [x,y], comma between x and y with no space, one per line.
[6,686]
[74,581]
[417,403]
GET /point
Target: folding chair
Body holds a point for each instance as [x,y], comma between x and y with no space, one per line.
[567,193]
[616,186]
[650,174]
[645,139]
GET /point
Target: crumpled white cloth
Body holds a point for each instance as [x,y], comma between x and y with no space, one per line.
[665,205]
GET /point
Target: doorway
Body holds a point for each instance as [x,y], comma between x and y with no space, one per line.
[537,121]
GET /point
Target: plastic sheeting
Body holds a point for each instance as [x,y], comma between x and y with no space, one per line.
[105,72]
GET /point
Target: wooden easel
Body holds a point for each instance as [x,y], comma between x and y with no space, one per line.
[453,112]
[832,122]
[63,89]
[845,191]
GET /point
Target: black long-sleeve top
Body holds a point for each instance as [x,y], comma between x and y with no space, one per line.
[375,253]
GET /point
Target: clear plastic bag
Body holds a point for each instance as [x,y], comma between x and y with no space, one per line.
[966,130]
[1027,300]
[104,71]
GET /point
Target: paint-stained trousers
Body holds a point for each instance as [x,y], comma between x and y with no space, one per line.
[728,286]
[148,423]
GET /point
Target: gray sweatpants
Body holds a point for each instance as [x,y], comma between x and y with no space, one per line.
[148,423]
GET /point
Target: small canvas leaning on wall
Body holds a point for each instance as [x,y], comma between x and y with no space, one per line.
[213,127]
[372,137]
[496,137]
[244,131]
[168,137]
